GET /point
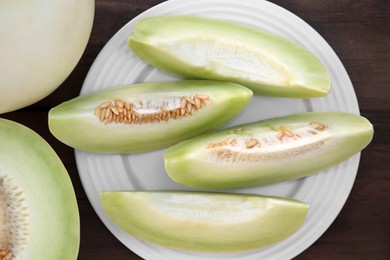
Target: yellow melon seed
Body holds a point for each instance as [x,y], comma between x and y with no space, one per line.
[105,104]
[8,257]
[107,113]
[114,110]
[119,104]
[183,103]
[198,103]
[202,96]
[233,142]
[287,132]
[251,143]
[189,107]
[190,100]
[318,126]
[280,135]
[5,255]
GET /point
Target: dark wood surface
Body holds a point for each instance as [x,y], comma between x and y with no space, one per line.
[359,32]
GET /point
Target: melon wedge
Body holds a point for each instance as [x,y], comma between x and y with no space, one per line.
[146,116]
[268,151]
[195,47]
[204,222]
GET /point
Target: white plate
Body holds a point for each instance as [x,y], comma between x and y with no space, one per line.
[325,192]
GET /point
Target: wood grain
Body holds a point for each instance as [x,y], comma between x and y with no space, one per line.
[358,31]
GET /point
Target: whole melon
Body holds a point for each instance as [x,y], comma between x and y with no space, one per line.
[41,42]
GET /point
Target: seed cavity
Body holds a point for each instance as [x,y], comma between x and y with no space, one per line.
[279,144]
[229,59]
[14,219]
[151,110]
[226,156]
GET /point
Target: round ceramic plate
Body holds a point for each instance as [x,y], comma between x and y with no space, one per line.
[326,192]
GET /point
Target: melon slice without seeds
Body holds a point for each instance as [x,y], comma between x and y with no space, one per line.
[268,151]
[38,210]
[204,221]
[195,47]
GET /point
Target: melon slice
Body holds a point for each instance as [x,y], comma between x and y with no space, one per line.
[146,116]
[204,222]
[204,48]
[268,151]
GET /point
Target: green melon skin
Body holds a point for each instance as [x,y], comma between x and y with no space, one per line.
[39,184]
[194,164]
[204,221]
[203,48]
[75,123]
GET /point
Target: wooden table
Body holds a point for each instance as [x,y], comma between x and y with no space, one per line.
[359,33]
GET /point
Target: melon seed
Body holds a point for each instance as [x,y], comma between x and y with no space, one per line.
[5,255]
[317,126]
[251,143]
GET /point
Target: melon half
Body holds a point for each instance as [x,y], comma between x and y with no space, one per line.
[39,218]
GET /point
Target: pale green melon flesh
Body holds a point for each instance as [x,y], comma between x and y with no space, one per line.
[206,222]
[38,209]
[76,124]
[204,48]
[261,153]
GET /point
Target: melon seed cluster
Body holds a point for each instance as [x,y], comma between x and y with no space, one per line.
[5,253]
[13,216]
[283,135]
[253,142]
[120,111]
